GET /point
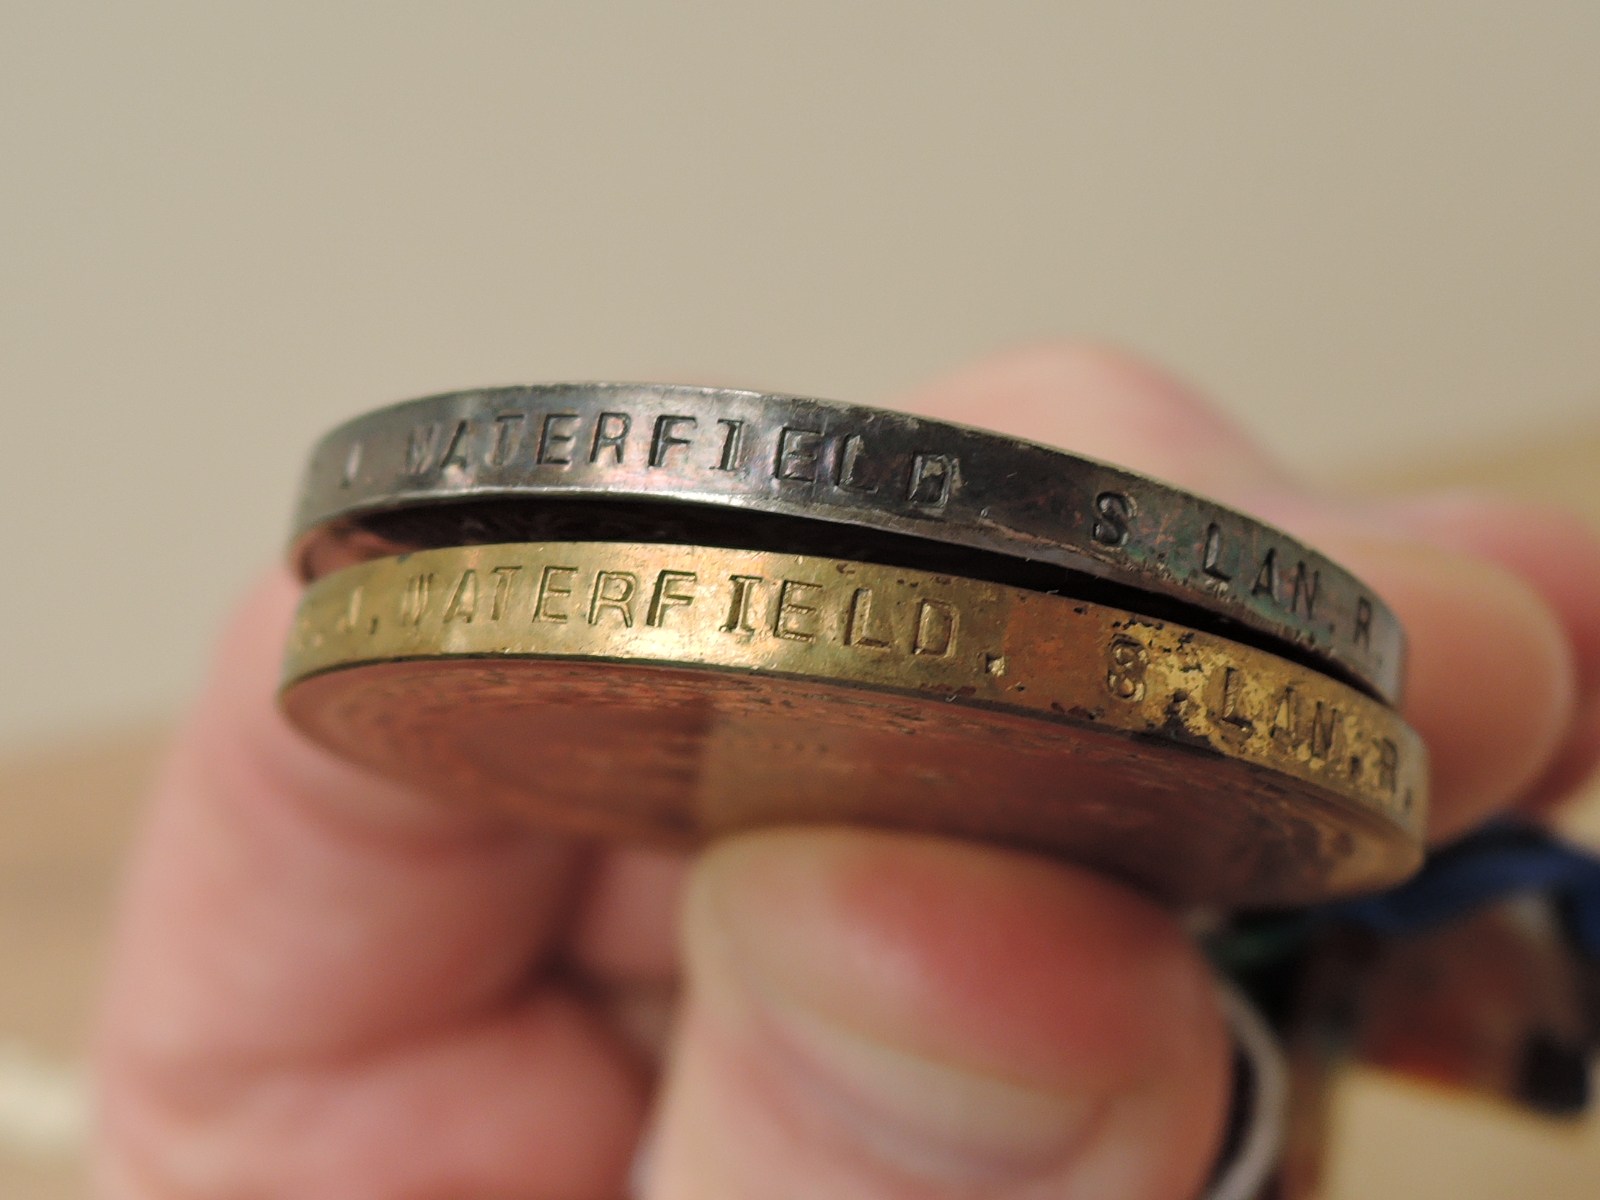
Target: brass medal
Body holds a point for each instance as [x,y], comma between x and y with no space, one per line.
[674,692]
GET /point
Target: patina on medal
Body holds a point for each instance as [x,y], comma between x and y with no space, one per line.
[755,469]
[672,692]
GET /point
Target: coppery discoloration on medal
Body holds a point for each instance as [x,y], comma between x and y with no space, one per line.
[675,692]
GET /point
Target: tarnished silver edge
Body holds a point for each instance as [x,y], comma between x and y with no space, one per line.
[302,526]
[1380,674]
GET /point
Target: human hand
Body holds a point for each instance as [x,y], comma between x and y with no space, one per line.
[327,986]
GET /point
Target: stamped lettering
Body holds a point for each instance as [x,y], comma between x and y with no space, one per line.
[936,629]
[1304,585]
[455,451]
[732,444]
[1267,583]
[463,604]
[349,620]
[503,577]
[795,617]
[851,456]
[861,628]
[1211,558]
[797,454]
[1363,630]
[507,439]
[1113,512]
[880,644]
[671,591]
[556,435]
[610,432]
[873,470]
[667,437]
[414,599]
[421,443]
[1388,766]
[743,589]
[1127,663]
[932,478]
[1286,718]
[1324,734]
[1230,710]
[555,584]
[613,592]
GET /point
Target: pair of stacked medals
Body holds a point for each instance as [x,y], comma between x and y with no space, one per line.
[663,613]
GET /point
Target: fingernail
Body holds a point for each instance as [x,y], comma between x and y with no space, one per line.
[921,1115]
[932,1120]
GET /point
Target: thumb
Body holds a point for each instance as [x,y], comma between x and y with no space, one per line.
[874,1015]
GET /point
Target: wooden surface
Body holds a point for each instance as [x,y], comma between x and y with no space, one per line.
[68,811]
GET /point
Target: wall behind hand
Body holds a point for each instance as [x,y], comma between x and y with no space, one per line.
[1368,228]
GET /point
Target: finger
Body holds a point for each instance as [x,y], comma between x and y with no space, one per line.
[624,941]
[1492,673]
[1573,771]
[1551,548]
[880,1015]
[525,1104]
[627,925]
[1097,401]
[1489,677]
[1559,555]
[290,921]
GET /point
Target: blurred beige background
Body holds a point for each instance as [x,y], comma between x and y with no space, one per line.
[1369,229]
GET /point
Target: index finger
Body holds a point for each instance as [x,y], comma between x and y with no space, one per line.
[326,984]
[1498,643]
